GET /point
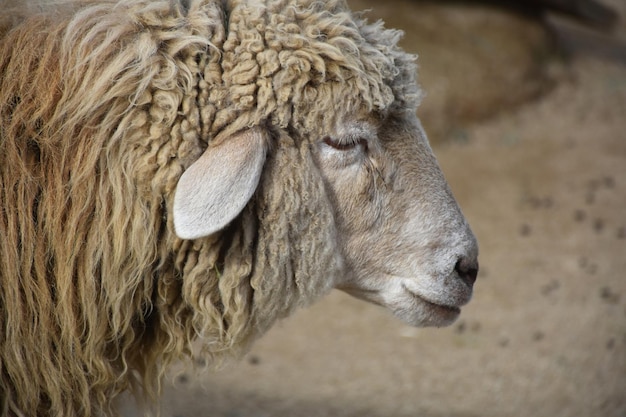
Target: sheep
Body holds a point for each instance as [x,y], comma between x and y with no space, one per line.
[183,173]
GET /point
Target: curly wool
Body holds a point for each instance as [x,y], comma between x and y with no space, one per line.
[102,107]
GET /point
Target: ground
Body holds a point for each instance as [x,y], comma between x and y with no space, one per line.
[544,187]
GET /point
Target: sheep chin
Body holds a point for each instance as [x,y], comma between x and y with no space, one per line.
[423,312]
[418,312]
[409,307]
[409,304]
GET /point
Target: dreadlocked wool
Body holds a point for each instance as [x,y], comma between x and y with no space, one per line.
[103,106]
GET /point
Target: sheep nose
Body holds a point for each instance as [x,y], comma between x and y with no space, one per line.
[467,268]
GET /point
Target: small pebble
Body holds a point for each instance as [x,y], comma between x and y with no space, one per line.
[539,202]
[598,225]
[525,229]
[550,287]
[580,215]
[610,344]
[538,335]
[460,328]
[254,360]
[548,202]
[607,294]
[592,269]
[589,267]
[183,378]
[534,202]
[609,182]
[463,326]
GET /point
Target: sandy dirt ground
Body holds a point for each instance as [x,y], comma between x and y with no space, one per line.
[544,188]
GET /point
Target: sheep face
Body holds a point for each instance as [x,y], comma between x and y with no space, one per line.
[406,244]
[348,120]
[402,238]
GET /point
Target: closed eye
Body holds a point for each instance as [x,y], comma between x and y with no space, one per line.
[345,146]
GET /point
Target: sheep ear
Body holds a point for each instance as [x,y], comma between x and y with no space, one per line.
[217,187]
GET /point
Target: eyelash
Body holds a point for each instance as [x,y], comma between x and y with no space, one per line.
[345,146]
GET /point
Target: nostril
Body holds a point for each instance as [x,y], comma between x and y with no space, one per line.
[467,270]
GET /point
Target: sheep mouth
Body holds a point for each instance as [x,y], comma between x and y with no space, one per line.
[409,306]
[443,308]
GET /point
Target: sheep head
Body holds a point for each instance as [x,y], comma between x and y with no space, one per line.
[334,97]
[282,146]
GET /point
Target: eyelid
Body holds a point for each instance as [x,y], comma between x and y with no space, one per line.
[345,146]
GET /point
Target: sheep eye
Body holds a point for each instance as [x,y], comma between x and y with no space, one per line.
[345,146]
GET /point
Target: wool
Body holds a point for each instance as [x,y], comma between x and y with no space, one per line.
[103,106]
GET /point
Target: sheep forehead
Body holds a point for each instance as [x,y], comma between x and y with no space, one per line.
[358,128]
[297,64]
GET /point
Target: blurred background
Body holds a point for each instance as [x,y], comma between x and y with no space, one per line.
[526,111]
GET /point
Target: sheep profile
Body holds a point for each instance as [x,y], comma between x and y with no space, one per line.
[183,173]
